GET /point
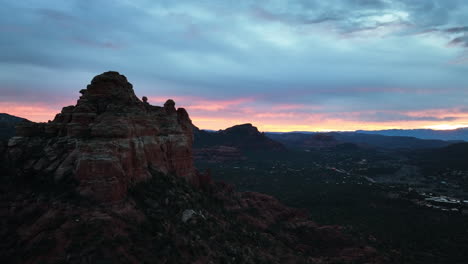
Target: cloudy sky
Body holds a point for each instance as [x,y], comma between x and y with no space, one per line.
[281,65]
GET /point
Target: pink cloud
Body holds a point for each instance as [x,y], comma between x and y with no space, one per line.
[204,104]
[33,112]
[219,114]
[440,113]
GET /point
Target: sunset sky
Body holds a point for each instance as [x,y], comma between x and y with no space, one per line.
[296,65]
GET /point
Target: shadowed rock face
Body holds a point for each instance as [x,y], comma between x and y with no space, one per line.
[107,142]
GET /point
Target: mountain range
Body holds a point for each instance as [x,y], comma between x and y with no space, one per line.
[459,134]
[454,134]
[303,140]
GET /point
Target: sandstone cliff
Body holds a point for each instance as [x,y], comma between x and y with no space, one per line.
[106,142]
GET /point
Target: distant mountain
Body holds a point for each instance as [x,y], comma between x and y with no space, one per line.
[390,142]
[455,134]
[299,140]
[7,125]
[331,139]
[245,137]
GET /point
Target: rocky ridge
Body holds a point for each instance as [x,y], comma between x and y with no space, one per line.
[106,142]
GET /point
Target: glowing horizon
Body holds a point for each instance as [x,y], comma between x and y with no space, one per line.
[281,65]
[225,116]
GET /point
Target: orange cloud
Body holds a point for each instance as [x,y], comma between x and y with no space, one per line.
[197,103]
[220,114]
[284,121]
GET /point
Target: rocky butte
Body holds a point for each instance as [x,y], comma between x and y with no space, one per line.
[112,180]
[108,141]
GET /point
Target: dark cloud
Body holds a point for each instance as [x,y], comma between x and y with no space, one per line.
[457,30]
[463,41]
[355,16]
[288,18]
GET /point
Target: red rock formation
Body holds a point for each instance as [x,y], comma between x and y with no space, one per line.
[107,141]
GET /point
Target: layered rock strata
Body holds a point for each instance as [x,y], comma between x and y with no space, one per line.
[107,142]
